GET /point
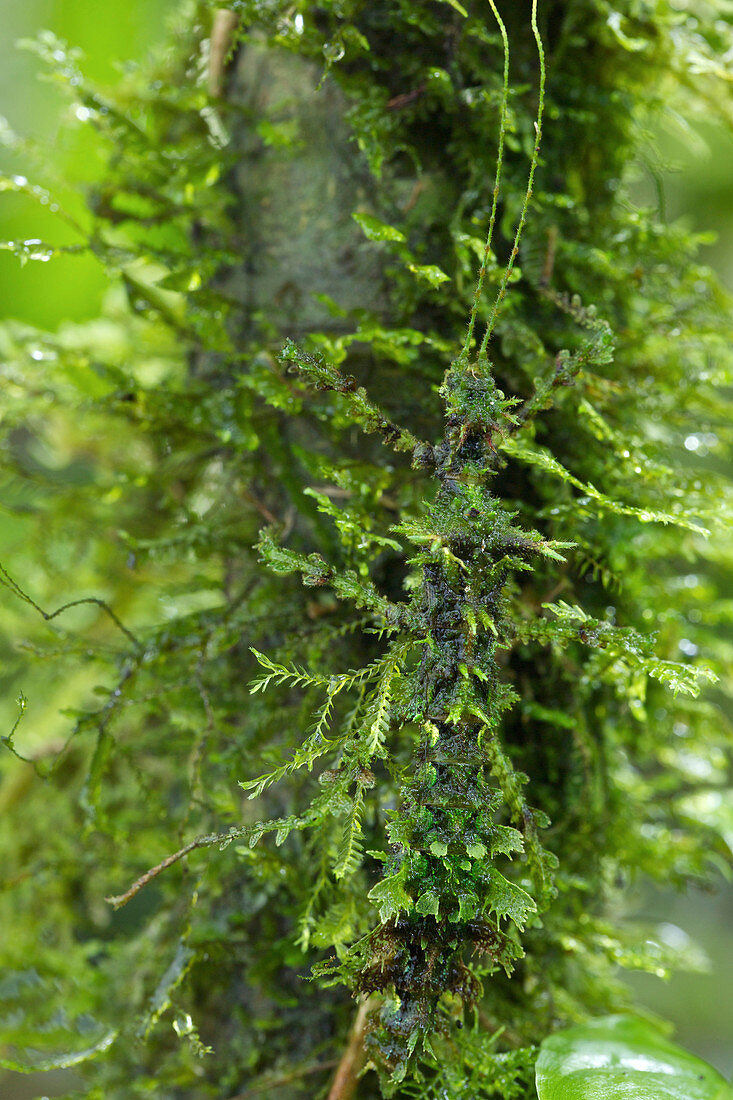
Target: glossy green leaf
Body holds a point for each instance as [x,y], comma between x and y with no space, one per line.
[623,1058]
[377,230]
[430,272]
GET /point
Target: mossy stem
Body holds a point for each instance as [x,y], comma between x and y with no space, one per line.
[497,183]
[528,193]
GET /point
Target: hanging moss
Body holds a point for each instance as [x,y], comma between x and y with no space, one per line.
[389,683]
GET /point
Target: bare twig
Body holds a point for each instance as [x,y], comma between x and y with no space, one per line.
[220,45]
[261,508]
[352,1061]
[404,100]
[285,1079]
[549,264]
[8,582]
[118,900]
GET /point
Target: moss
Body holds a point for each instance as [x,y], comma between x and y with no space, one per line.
[415,592]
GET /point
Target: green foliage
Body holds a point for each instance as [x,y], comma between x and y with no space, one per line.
[620,1055]
[386,673]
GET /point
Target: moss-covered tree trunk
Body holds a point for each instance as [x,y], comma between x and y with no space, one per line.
[414,592]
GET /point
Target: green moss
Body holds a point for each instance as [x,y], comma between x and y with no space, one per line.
[421,596]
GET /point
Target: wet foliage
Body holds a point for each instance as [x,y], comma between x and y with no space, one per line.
[380,639]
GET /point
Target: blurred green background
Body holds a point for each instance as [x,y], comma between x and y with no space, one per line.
[695,182]
[111,36]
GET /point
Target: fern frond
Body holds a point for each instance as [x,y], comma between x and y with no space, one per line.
[634,649]
[365,413]
[378,717]
[543,459]
[282,674]
[314,746]
[351,849]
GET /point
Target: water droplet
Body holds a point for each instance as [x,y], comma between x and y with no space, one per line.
[32,249]
[285,27]
[333,51]
[673,936]
[20,181]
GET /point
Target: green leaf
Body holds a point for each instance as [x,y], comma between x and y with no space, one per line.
[623,1058]
[633,45]
[390,897]
[169,982]
[439,848]
[457,6]
[506,899]
[350,849]
[376,230]
[428,904]
[430,272]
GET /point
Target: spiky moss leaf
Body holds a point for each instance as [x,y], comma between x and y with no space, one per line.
[506,899]
[545,461]
[428,904]
[390,896]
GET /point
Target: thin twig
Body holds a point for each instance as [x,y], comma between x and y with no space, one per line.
[285,1079]
[261,508]
[549,264]
[528,194]
[196,755]
[220,45]
[14,587]
[118,900]
[352,1061]
[497,183]
[7,740]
